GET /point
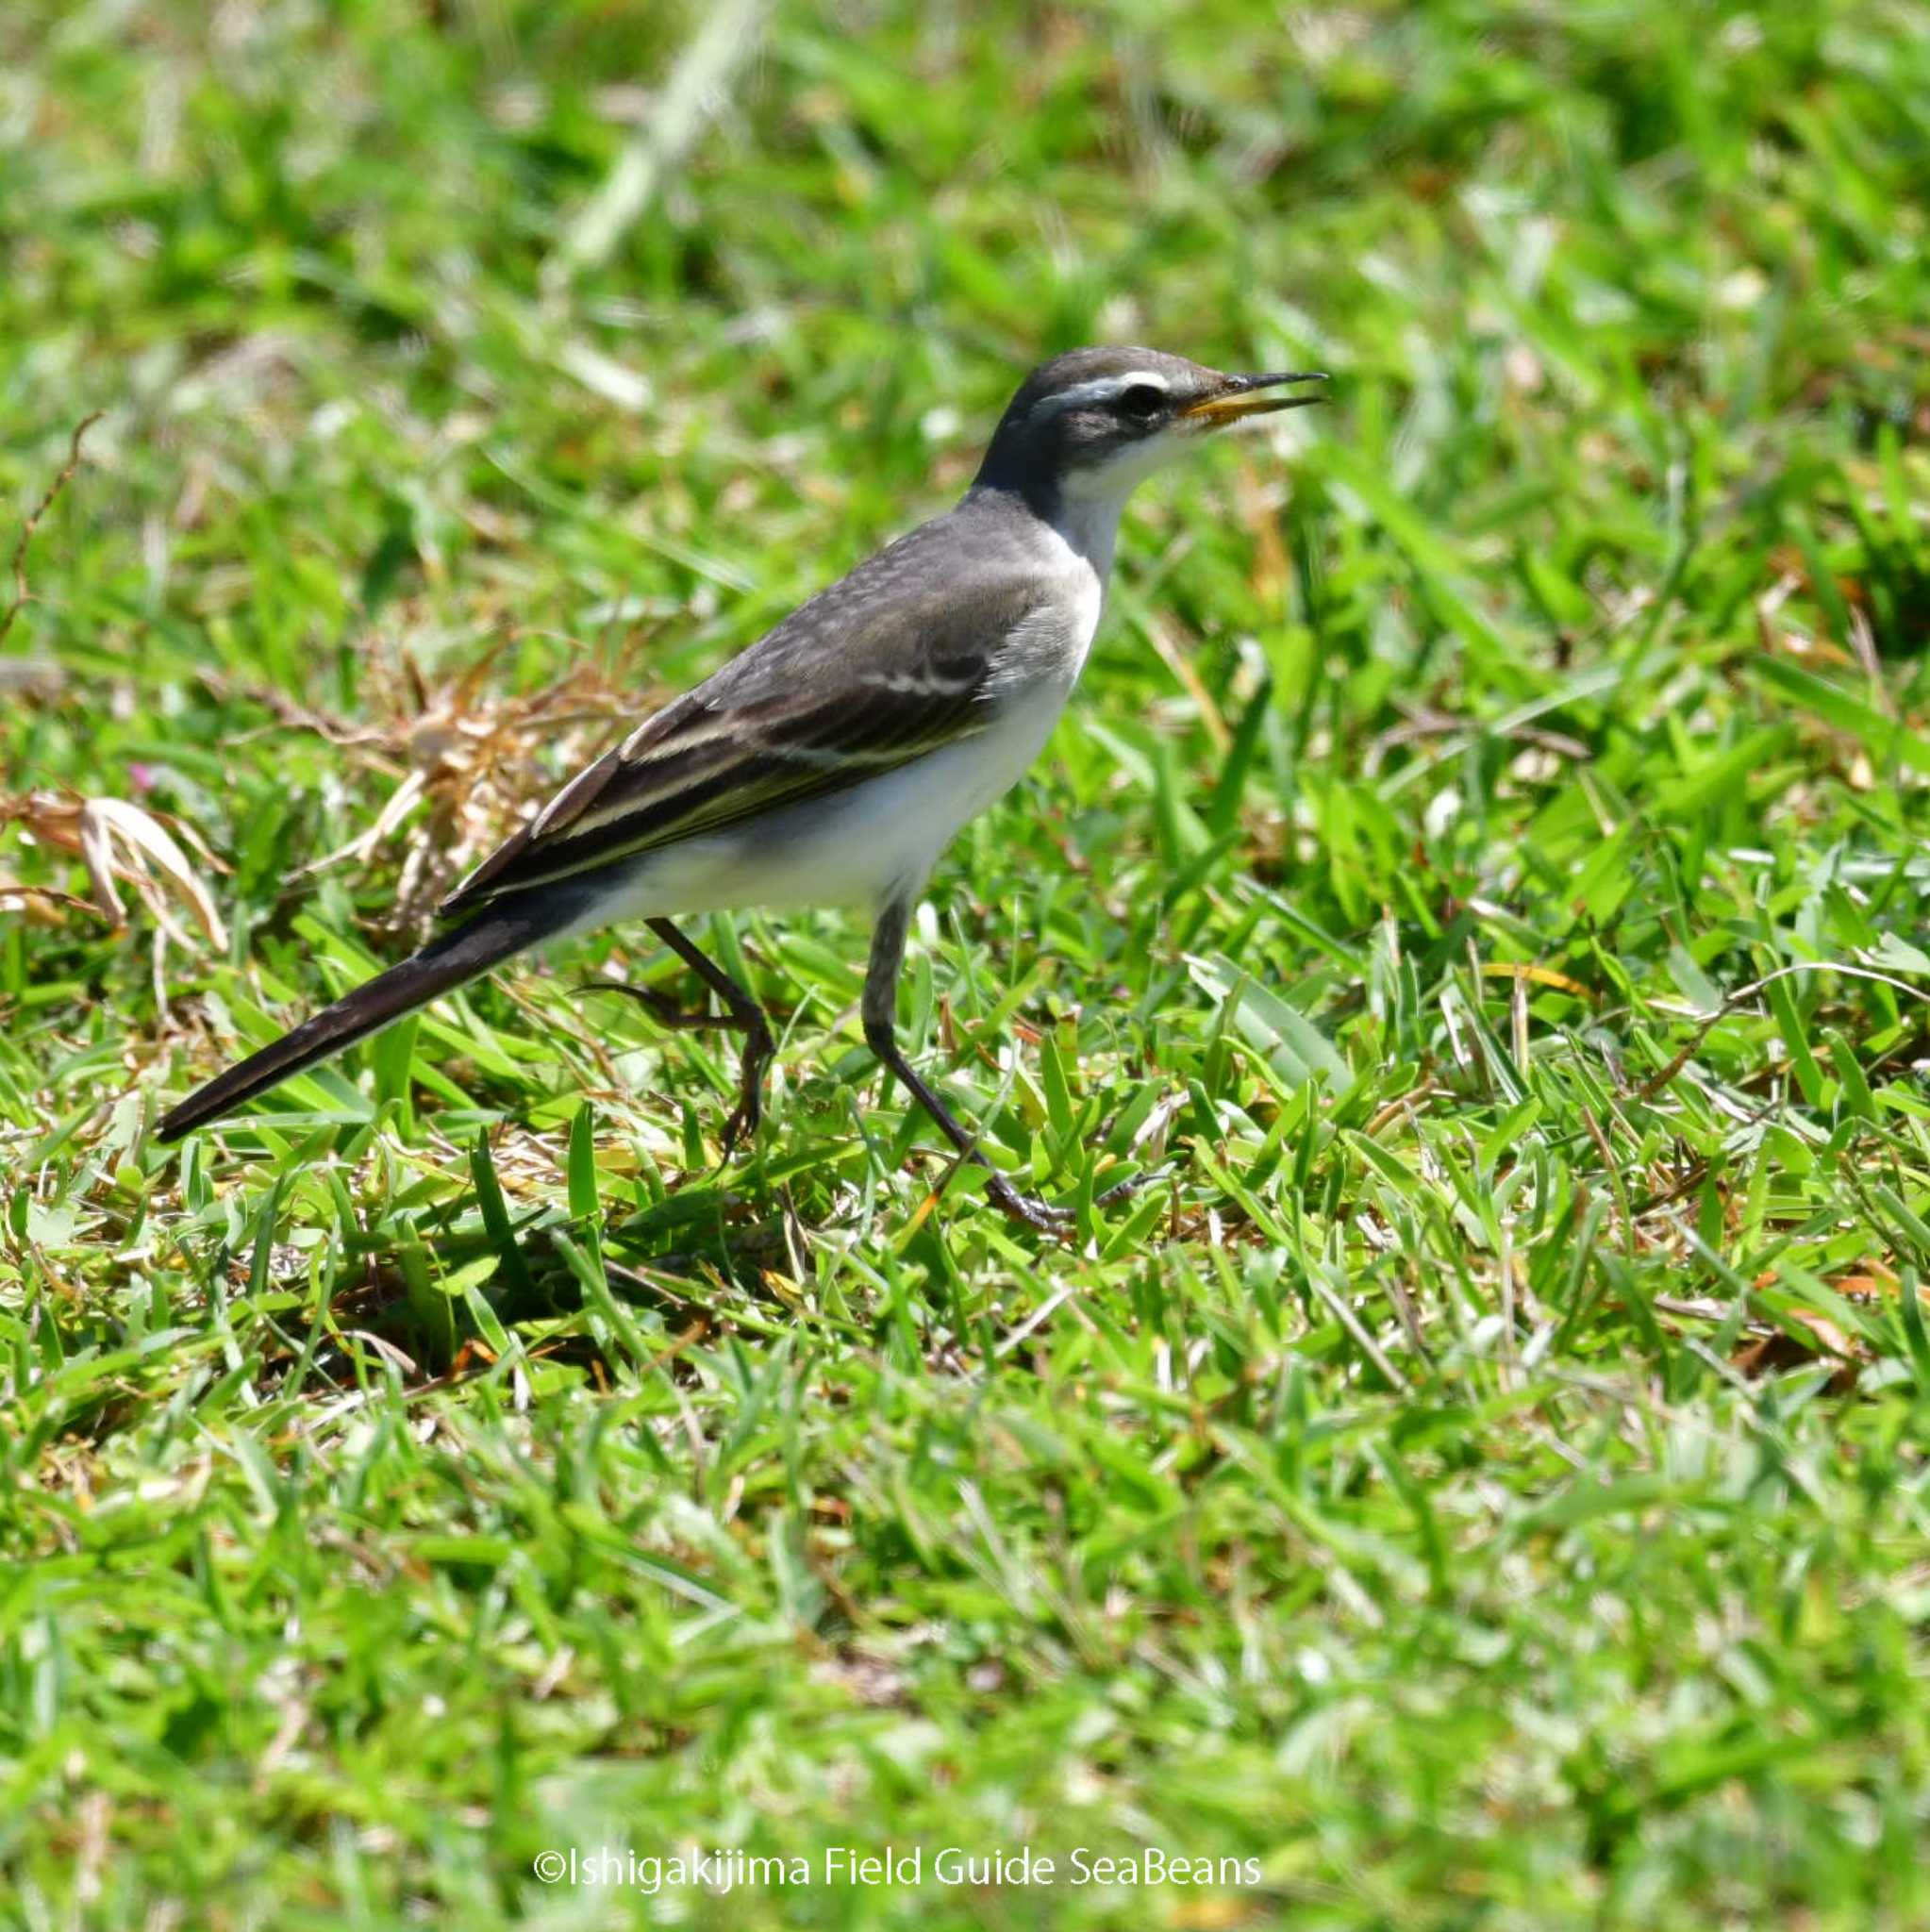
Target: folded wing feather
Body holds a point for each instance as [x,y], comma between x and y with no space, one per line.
[885,666]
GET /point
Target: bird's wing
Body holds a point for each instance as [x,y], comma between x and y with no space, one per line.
[887,664]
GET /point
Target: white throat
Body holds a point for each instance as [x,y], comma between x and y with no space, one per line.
[1088,521]
[1090,500]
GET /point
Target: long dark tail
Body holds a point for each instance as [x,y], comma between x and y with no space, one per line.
[446,961]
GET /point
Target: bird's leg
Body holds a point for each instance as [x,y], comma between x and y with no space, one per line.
[881,1032]
[740,1011]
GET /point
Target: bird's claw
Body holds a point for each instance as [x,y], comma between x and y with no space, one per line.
[759,1050]
[748,1114]
[1049,1219]
[1125,1189]
[1027,1207]
[745,1118]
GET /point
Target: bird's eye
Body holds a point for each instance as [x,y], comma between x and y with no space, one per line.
[1141,401]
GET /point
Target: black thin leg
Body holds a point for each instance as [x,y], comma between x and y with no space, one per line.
[881,1032]
[740,1011]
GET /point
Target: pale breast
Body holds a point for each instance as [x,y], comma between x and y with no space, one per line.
[881,837]
[1046,650]
[858,847]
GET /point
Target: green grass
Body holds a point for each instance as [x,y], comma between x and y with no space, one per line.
[1485,871]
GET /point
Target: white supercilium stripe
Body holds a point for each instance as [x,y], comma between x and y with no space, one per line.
[1104,388]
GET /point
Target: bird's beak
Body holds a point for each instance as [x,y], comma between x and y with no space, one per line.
[1237,397]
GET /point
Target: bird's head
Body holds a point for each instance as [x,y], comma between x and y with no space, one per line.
[1089,425]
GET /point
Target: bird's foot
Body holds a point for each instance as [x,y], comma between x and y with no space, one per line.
[668,1014]
[748,1114]
[1049,1219]
[758,1051]
[1125,1189]
[1027,1207]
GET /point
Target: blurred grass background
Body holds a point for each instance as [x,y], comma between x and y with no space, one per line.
[1485,869]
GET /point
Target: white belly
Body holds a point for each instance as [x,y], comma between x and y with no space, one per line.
[855,848]
[881,838]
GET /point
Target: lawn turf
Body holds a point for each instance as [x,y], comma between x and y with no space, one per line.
[1481,1481]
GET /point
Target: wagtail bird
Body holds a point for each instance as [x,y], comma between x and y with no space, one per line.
[832,762]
